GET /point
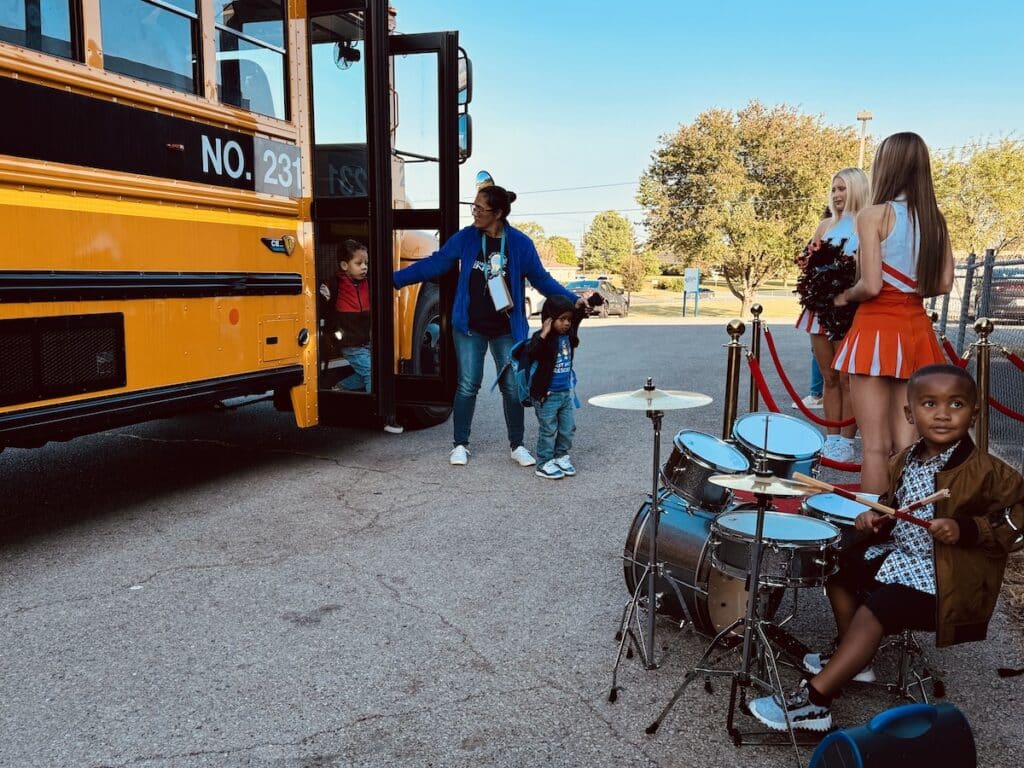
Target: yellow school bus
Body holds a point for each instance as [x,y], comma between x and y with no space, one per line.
[176,177]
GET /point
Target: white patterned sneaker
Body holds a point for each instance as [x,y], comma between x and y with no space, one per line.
[459,456]
[802,713]
[522,457]
[565,465]
[814,662]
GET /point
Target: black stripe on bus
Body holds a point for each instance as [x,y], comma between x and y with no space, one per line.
[35,426]
[31,286]
[60,126]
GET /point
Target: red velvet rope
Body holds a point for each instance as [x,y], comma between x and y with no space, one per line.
[1006,410]
[793,393]
[1014,359]
[954,358]
[960,362]
[769,401]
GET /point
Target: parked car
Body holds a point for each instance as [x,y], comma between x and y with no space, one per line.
[1006,301]
[615,302]
[1006,297]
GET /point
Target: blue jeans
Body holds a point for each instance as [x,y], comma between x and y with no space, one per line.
[359,359]
[817,381]
[556,420]
[470,350]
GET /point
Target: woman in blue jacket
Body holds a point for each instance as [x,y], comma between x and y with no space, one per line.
[484,250]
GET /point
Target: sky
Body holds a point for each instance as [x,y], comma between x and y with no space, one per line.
[576,93]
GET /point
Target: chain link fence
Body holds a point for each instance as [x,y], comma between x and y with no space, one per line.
[992,288]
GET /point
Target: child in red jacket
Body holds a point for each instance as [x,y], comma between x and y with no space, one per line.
[352,312]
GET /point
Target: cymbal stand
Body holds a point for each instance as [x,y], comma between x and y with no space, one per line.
[648,579]
[755,642]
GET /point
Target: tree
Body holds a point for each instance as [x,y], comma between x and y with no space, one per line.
[743,191]
[533,230]
[980,193]
[608,241]
[635,268]
[562,249]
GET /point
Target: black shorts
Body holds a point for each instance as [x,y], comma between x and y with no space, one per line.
[896,606]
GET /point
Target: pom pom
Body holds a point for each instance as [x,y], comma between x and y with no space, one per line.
[827,273]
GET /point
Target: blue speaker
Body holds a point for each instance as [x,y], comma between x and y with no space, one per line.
[911,735]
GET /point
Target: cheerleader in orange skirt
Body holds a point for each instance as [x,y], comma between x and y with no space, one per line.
[848,195]
[905,257]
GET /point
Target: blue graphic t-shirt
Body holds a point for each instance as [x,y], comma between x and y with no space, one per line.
[561,381]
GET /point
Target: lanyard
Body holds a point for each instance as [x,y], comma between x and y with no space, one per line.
[483,250]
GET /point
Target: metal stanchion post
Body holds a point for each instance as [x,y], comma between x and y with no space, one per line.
[735,329]
[983,327]
[755,350]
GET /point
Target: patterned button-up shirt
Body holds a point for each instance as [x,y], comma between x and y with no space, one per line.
[910,560]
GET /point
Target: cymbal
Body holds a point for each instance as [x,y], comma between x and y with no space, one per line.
[766,485]
[650,400]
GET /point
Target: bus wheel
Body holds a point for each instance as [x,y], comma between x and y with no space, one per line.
[426,357]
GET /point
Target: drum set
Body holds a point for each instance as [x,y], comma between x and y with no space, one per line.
[697,555]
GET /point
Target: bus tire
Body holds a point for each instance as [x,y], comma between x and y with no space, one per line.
[426,356]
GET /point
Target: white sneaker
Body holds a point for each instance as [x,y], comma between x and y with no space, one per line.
[839,449]
[813,663]
[812,402]
[523,457]
[459,456]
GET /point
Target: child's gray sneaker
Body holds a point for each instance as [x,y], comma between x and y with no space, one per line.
[550,470]
[565,465]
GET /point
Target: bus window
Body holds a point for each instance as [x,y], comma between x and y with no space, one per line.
[251,55]
[339,107]
[416,139]
[151,42]
[44,25]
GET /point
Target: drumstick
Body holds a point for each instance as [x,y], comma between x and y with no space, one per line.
[898,514]
[943,494]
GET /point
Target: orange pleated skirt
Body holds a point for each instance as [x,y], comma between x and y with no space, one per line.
[891,336]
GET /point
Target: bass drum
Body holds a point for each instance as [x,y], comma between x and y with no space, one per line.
[713,599]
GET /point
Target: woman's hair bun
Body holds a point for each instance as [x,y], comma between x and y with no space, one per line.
[511,196]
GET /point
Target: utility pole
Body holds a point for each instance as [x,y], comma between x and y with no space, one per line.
[863,116]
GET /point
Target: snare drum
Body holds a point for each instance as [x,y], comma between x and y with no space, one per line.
[792,445]
[696,457]
[797,550]
[840,511]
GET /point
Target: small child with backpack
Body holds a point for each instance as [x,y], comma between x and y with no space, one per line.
[548,358]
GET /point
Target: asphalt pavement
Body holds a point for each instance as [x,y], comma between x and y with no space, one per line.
[223,589]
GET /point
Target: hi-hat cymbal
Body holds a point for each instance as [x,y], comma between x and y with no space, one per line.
[650,400]
[766,485]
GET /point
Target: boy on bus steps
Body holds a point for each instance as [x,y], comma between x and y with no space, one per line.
[352,313]
[553,386]
[945,577]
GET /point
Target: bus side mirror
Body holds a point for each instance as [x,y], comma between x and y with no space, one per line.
[465,78]
[465,137]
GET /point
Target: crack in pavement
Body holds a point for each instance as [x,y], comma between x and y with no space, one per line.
[311,737]
[486,664]
[599,715]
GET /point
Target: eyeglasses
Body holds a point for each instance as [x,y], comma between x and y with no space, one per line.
[478,209]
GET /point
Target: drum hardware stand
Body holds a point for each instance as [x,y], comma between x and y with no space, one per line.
[652,569]
[753,635]
[654,402]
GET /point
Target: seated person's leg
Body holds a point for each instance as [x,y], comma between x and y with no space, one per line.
[889,610]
